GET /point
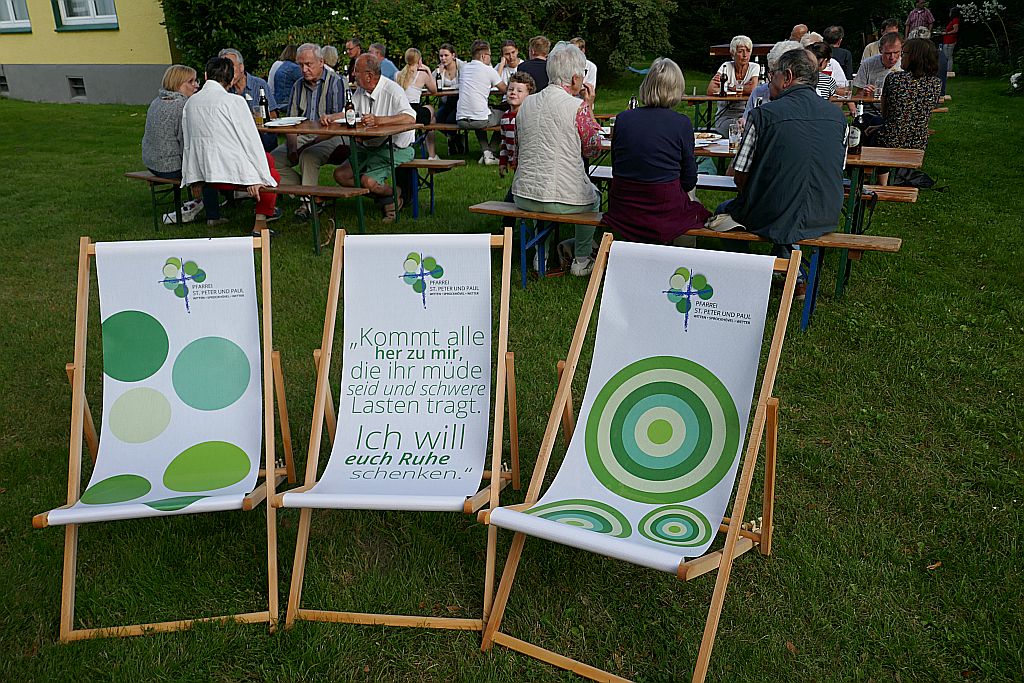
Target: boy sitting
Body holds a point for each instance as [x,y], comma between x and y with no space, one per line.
[520,86]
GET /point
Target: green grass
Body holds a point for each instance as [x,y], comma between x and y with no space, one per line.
[900,447]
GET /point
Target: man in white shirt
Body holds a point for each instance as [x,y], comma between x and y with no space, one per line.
[590,76]
[476,79]
[381,102]
[221,145]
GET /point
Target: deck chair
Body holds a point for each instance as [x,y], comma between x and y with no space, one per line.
[417,310]
[648,476]
[182,402]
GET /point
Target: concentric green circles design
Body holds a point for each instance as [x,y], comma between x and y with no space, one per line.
[591,515]
[676,525]
[698,430]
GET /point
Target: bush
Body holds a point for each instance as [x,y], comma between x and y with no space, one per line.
[980,61]
[618,32]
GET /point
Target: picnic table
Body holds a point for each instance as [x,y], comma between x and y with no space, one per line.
[357,133]
[706,120]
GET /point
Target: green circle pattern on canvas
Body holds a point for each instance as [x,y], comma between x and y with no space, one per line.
[134,346]
[662,430]
[139,415]
[174,504]
[207,466]
[117,489]
[592,515]
[211,373]
[676,525]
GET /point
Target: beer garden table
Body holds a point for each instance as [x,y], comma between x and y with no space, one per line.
[357,133]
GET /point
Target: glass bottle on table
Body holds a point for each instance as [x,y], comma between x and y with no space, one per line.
[350,114]
[721,83]
[855,135]
[264,107]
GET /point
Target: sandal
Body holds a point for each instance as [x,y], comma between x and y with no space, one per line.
[391,210]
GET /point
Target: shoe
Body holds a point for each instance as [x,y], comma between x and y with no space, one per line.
[189,211]
[488,159]
[800,291]
[391,210]
[277,214]
[213,222]
[581,268]
[256,233]
[434,158]
[302,213]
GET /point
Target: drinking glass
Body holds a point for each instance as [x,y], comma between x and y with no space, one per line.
[735,134]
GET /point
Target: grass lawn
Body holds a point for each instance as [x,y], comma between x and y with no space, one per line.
[897,553]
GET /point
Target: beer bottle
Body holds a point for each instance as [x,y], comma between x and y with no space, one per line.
[721,83]
[633,103]
[350,114]
[855,136]
[264,105]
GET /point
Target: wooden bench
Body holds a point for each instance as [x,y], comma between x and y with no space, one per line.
[424,171]
[330,193]
[855,245]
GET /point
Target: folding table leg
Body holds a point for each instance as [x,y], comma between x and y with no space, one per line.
[524,236]
[156,207]
[177,204]
[811,297]
[314,213]
[415,193]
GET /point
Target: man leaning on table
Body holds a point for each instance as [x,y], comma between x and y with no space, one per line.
[789,167]
[320,93]
[873,70]
[381,102]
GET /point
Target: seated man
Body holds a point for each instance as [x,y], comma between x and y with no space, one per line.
[381,101]
[591,74]
[874,48]
[789,167]
[387,67]
[476,78]
[249,86]
[834,35]
[873,71]
[319,93]
[221,146]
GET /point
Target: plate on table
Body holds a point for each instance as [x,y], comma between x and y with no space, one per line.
[706,136]
[606,130]
[285,121]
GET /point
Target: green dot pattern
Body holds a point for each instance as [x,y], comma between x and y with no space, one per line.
[173,504]
[117,489]
[211,373]
[139,415]
[207,466]
[134,346]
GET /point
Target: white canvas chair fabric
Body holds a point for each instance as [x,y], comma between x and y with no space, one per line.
[182,401]
[414,405]
[650,469]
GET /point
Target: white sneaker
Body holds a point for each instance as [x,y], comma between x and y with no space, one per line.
[434,158]
[488,159]
[581,268]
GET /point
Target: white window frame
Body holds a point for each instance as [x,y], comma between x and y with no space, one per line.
[15,23]
[95,18]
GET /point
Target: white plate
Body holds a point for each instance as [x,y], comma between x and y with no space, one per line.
[287,121]
[706,137]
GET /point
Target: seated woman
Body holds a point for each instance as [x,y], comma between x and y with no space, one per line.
[282,77]
[415,78]
[446,76]
[555,129]
[739,74]
[909,96]
[826,86]
[162,142]
[653,165]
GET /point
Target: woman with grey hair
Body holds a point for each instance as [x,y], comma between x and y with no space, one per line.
[653,165]
[331,56]
[554,131]
[740,75]
[762,93]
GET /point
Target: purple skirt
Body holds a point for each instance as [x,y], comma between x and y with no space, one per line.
[654,213]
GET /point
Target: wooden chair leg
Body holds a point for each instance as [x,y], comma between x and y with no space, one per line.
[508,575]
[92,439]
[568,418]
[513,417]
[771,450]
[68,577]
[329,417]
[491,560]
[282,411]
[298,567]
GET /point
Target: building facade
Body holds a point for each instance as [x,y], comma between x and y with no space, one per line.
[97,51]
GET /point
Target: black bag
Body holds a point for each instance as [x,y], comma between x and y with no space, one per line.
[911,177]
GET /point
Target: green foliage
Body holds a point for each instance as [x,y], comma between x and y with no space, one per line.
[618,32]
[980,61]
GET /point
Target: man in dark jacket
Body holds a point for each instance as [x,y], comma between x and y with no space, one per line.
[789,167]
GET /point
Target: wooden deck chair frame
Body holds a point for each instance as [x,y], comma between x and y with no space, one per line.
[738,539]
[324,416]
[83,427]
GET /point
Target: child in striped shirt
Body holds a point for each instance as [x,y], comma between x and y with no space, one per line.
[520,86]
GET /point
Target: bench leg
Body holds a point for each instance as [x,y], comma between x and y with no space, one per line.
[314,214]
[811,298]
[156,207]
[433,179]
[177,204]
[524,235]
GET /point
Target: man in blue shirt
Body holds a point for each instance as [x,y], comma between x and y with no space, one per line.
[387,67]
[248,86]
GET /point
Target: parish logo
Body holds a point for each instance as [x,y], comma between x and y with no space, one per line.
[418,269]
[683,286]
[178,273]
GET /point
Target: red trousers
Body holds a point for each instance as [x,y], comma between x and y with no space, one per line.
[265,204]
